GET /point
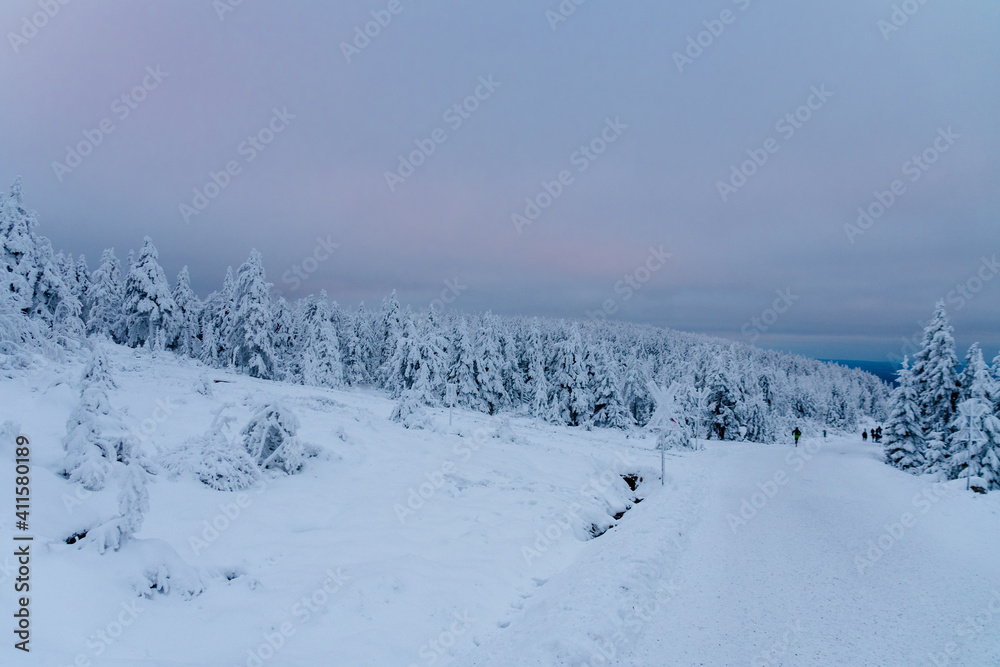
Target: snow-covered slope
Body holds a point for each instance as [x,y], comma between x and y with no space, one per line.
[471,543]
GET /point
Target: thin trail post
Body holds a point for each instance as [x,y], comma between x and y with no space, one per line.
[663,463]
[452,390]
[972,409]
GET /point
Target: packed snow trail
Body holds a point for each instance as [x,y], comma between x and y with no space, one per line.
[837,559]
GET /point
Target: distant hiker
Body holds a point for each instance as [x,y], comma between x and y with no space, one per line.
[824,434]
[798,434]
[878,434]
[864,435]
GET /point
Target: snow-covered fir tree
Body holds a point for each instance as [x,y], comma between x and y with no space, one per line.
[487,364]
[974,434]
[182,328]
[147,306]
[936,377]
[18,271]
[105,298]
[360,365]
[96,435]
[317,346]
[461,358]
[904,434]
[251,337]
[216,323]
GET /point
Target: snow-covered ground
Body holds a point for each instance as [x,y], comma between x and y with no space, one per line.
[471,543]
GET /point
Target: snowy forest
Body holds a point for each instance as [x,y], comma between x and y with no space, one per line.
[576,373]
[945,420]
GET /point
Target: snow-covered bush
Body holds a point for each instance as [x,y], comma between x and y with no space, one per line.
[214,459]
[409,411]
[271,441]
[676,439]
[96,436]
[133,505]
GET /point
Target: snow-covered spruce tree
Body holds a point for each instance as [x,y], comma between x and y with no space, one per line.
[934,372]
[285,345]
[83,286]
[751,411]
[904,435]
[977,379]
[105,298]
[390,327]
[432,349]
[995,372]
[147,306]
[96,436]
[608,409]
[20,336]
[400,371]
[18,272]
[361,363]
[271,440]
[461,355]
[536,386]
[216,323]
[317,347]
[570,379]
[974,449]
[251,338]
[720,402]
[50,290]
[409,410]
[183,327]
[510,370]
[635,395]
[486,365]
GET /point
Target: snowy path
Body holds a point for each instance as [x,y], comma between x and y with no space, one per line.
[790,586]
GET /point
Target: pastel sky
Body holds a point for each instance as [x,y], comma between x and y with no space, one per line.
[641,109]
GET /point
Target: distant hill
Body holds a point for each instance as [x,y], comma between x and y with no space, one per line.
[885,370]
